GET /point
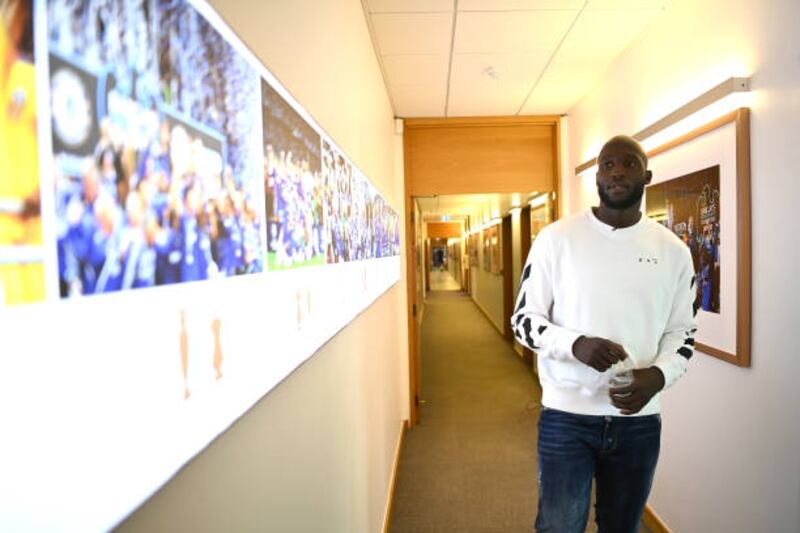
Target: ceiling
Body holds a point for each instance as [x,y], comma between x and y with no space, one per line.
[499,57]
[480,207]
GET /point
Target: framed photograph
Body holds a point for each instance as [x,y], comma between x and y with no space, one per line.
[472,242]
[487,249]
[539,219]
[701,192]
[494,248]
[689,206]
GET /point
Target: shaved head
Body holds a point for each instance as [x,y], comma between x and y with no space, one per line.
[628,142]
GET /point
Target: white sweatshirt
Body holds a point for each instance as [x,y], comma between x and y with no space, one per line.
[633,286]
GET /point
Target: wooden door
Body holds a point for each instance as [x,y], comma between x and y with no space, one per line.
[508,274]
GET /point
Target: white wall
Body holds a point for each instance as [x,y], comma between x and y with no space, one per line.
[731,444]
[316,454]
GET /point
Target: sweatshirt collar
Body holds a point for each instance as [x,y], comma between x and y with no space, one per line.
[613,232]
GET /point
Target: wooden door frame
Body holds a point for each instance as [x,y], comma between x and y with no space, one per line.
[412,314]
[506,243]
[524,248]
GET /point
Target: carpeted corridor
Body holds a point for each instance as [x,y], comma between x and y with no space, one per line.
[470,464]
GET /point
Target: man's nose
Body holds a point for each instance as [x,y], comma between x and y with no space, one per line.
[617,172]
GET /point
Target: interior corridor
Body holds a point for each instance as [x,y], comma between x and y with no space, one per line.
[470,464]
[443,280]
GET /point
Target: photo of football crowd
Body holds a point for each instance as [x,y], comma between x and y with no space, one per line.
[157,147]
[359,223]
[689,206]
[293,185]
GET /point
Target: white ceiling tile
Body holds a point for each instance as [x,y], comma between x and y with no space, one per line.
[517,5]
[410,6]
[609,31]
[473,99]
[596,40]
[577,68]
[514,32]
[563,84]
[417,69]
[554,97]
[418,100]
[415,33]
[510,68]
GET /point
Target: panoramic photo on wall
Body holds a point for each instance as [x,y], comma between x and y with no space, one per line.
[177,235]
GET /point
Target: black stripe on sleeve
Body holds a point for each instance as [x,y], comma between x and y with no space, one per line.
[685,352]
[521,303]
[527,327]
[526,273]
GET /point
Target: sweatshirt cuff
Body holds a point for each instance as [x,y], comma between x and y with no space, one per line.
[670,376]
[568,338]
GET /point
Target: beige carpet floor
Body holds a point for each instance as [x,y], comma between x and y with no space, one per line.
[470,464]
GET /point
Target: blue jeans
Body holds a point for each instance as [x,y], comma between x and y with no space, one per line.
[620,452]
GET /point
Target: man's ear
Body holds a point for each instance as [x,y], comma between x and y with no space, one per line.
[648,176]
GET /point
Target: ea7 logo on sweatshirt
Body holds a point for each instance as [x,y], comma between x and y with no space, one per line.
[648,259]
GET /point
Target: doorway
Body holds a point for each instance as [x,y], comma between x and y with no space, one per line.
[514,157]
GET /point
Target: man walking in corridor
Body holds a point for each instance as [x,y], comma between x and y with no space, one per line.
[602,293]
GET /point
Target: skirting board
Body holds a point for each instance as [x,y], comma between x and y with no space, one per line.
[488,317]
[387,513]
[653,522]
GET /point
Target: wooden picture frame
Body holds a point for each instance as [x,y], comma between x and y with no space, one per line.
[474,243]
[722,147]
[494,249]
[486,243]
[539,219]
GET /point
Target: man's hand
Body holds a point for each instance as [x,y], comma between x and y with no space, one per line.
[598,353]
[630,399]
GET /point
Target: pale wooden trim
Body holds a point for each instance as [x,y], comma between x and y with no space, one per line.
[557,174]
[444,230]
[744,239]
[479,121]
[484,155]
[583,166]
[695,133]
[387,513]
[716,352]
[653,521]
[729,86]
[507,271]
